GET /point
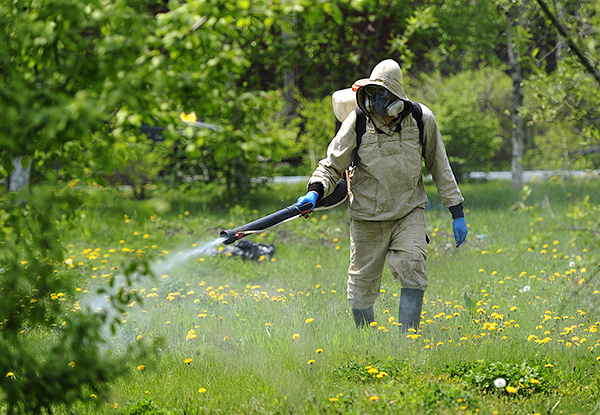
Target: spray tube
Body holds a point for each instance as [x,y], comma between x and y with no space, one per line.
[337,197]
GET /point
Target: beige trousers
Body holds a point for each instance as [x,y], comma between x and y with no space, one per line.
[402,242]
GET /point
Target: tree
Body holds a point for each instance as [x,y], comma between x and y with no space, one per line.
[516,74]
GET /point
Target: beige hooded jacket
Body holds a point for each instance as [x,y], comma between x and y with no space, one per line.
[387,183]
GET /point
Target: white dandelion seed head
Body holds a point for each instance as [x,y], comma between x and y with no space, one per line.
[500,383]
[525,289]
[571,264]
[1,270]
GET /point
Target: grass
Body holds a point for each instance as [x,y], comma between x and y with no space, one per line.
[518,301]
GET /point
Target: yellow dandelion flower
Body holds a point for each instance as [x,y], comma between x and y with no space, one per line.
[139,337]
[321,351]
[373,323]
[333,399]
[373,398]
[309,320]
[534,380]
[202,390]
[296,336]
[71,364]
[311,361]
[93,396]
[10,375]
[511,389]
[187,361]
[372,371]
[549,365]
[141,367]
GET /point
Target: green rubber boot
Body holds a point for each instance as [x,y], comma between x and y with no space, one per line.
[411,304]
[363,317]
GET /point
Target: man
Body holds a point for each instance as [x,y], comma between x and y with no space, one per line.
[387,196]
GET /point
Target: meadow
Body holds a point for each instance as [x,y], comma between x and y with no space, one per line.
[509,326]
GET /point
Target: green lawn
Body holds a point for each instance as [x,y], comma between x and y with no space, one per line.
[519,301]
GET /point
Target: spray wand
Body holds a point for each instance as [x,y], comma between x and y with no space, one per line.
[337,197]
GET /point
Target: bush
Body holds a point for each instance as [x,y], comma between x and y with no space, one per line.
[470,109]
[51,349]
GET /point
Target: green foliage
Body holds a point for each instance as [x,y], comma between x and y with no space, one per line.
[145,407]
[146,160]
[37,285]
[526,377]
[318,129]
[469,108]
[562,109]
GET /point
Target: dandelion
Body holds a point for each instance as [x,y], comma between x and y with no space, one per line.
[510,389]
[333,399]
[141,367]
[309,320]
[311,361]
[296,336]
[93,396]
[187,361]
[202,390]
[372,370]
[319,351]
[373,398]
[10,375]
[500,382]
[534,380]
[71,364]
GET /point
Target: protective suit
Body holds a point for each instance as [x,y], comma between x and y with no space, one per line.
[387,198]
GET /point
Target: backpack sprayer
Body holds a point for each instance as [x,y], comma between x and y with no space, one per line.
[336,198]
[344,102]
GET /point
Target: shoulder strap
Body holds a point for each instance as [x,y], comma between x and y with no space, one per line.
[360,128]
[417,114]
[361,125]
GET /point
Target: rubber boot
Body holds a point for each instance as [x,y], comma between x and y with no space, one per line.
[411,304]
[363,317]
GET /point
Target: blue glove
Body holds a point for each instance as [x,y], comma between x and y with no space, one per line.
[306,204]
[460,230]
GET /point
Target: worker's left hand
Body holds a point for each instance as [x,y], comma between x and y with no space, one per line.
[460,230]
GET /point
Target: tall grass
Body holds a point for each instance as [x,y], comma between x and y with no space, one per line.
[276,336]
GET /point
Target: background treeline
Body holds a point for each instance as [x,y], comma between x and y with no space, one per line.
[80,79]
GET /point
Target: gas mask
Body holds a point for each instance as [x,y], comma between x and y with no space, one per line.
[381,101]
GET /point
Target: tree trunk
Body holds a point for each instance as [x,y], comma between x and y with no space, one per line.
[19,178]
[289,72]
[514,57]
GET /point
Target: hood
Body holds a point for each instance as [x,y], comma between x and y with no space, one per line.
[387,74]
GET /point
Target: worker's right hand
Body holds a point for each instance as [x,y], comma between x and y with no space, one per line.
[306,204]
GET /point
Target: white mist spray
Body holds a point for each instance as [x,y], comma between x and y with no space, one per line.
[99,302]
[181,258]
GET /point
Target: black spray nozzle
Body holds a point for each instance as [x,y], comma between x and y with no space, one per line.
[232,235]
[337,197]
